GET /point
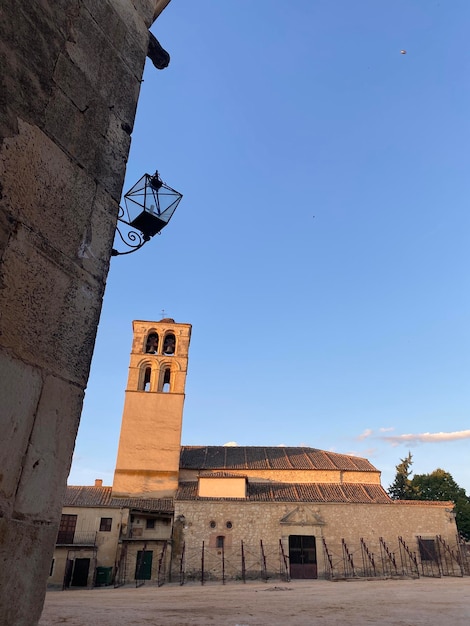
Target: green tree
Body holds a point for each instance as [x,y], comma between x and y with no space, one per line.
[401,488]
[462,510]
[440,485]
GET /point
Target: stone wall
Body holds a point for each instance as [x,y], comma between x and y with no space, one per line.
[70,80]
[296,476]
[252,522]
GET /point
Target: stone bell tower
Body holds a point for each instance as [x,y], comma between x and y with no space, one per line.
[149,446]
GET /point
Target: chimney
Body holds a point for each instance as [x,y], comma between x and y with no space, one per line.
[98,482]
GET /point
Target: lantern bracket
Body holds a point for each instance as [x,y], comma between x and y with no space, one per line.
[148,207]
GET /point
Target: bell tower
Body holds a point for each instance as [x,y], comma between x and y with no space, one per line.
[149,445]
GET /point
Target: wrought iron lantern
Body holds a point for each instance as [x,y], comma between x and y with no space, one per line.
[149,206]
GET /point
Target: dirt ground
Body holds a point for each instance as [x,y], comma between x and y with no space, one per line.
[431,602]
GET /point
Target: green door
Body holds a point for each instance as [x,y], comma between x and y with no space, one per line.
[143,565]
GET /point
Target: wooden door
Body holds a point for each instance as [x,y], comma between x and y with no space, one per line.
[302,556]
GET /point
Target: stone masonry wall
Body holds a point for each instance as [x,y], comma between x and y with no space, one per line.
[251,522]
[296,476]
[70,80]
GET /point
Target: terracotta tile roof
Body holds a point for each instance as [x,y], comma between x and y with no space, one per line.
[260,457]
[162,505]
[299,492]
[87,496]
[447,503]
[102,497]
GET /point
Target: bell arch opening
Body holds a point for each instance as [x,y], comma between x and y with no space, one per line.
[165,379]
[169,344]
[151,345]
[145,378]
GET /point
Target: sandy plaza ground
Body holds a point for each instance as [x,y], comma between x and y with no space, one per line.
[427,601]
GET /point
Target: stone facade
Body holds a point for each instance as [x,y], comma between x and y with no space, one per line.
[70,80]
[330,523]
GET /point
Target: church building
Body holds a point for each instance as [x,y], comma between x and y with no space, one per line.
[218,512]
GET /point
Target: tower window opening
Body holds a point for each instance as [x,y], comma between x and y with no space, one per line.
[151,347]
[146,380]
[166,380]
[220,541]
[169,344]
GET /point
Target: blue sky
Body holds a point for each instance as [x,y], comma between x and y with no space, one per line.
[321,250]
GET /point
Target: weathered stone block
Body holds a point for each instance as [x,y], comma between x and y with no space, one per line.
[109,169]
[83,137]
[116,83]
[149,9]
[49,192]
[89,135]
[118,135]
[7,228]
[49,451]
[74,83]
[123,25]
[16,421]
[23,579]
[64,333]
[99,236]
[26,75]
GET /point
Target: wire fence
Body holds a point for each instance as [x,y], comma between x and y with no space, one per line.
[363,558]
[243,562]
[431,557]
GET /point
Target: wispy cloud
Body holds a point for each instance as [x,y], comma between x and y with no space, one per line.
[230,444]
[413,439]
[367,433]
[368,452]
[387,430]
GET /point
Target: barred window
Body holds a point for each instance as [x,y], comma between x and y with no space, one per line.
[106,523]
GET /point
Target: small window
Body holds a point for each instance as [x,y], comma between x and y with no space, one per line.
[151,346]
[150,523]
[229,525]
[212,524]
[169,344]
[106,523]
[220,541]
